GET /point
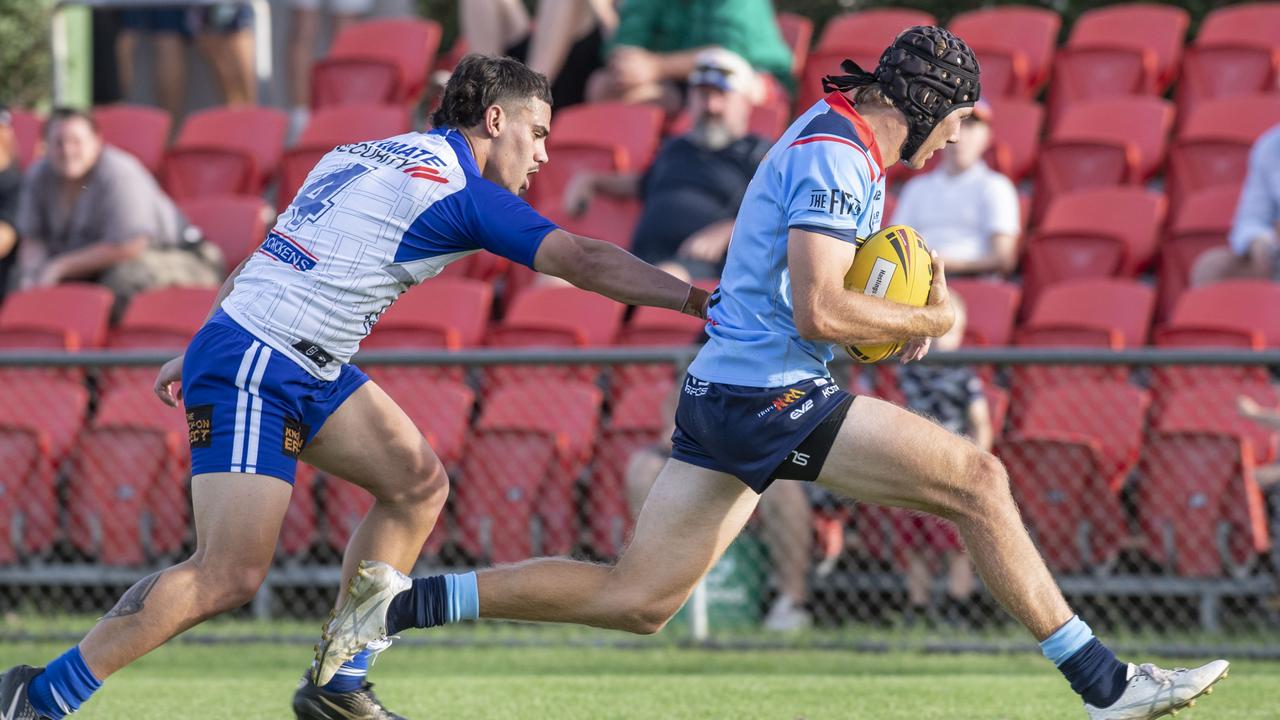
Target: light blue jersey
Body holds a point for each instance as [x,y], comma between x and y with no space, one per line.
[824,175]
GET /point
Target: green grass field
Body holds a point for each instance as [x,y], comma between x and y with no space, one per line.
[255,680]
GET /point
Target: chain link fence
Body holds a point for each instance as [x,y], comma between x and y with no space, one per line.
[1146,478]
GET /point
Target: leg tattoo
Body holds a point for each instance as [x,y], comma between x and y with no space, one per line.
[135,598]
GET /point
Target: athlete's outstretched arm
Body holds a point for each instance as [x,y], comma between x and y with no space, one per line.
[607,269]
[824,310]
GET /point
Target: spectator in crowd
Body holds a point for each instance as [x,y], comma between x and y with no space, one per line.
[658,43]
[225,35]
[1251,250]
[692,191]
[1268,476]
[304,33]
[786,526]
[953,396]
[964,209]
[91,212]
[10,188]
[566,46]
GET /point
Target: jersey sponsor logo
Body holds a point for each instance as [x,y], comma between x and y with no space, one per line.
[695,387]
[398,156]
[834,201]
[200,426]
[800,411]
[782,402]
[295,435]
[288,251]
[881,275]
[830,390]
[799,458]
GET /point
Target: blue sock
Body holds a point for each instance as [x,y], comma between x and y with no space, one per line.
[63,686]
[433,601]
[351,675]
[1091,668]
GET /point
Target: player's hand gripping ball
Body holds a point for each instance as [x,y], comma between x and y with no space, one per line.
[893,264]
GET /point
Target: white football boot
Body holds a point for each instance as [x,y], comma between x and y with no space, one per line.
[362,619]
[1153,692]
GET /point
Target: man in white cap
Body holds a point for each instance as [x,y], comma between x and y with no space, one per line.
[692,191]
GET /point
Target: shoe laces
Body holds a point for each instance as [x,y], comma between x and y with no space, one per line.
[1159,675]
[375,647]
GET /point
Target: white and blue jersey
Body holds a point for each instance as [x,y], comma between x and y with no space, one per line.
[824,175]
[372,220]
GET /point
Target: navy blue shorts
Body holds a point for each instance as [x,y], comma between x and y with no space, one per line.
[759,434]
[249,408]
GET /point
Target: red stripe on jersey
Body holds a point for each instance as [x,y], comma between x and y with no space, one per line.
[871,167]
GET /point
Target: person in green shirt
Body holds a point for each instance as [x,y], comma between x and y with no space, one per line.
[654,48]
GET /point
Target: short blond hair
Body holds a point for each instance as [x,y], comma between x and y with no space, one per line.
[871,95]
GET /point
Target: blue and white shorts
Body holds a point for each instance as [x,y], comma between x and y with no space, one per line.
[249,409]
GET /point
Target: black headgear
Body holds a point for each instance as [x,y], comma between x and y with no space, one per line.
[927,72]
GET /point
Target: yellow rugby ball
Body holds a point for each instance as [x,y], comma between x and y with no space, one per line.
[893,264]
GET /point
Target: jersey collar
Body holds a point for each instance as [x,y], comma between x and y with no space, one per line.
[460,146]
[841,105]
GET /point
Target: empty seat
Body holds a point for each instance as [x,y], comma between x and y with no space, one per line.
[70,316]
[990,306]
[1014,45]
[1110,413]
[1234,53]
[376,62]
[39,420]
[225,151]
[128,504]
[440,313]
[140,130]
[637,129]
[514,496]
[640,417]
[1235,313]
[1212,147]
[1127,49]
[861,36]
[553,317]
[28,129]
[329,128]
[1200,222]
[1015,136]
[1093,233]
[237,224]
[161,319]
[612,219]
[797,33]
[1088,148]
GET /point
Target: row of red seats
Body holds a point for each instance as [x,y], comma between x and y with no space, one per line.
[1124,49]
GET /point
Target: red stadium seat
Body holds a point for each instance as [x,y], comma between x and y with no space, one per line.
[1200,222]
[568,159]
[553,317]
[1128,49]
[1015,136]
[639,419]
[1198,503]
[70,316]
[237,224]
[797,32]
[611,219]
[861,36]
[28,132]
[1235,313]
[299,530]
[440,313]
[329,128]
[163,319]
[376,62]
[1089,149]
[1110,413]
[1212,148]
[1109,232]
[1060,484]
[225,151]
[514,496]
[39,420]
[637,129]
[991,306]
[140,130]
[1014,45]
[1234,53]
[128,505]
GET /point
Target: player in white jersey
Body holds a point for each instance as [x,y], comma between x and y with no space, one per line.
[759,405]
[267,380]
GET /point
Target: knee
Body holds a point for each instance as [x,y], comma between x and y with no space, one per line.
[420,481]
[987,483]
[227,585]
[645,614]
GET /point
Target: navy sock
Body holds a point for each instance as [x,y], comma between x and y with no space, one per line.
[1095,674]
[63,686]
[433,601]
[350,677]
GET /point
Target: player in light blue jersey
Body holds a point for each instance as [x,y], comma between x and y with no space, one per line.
[267,380]
[758,405]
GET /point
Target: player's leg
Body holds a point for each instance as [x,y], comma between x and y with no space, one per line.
[886,455]
[787,530]
[689,518]
[237,518]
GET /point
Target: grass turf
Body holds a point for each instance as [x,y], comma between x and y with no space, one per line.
[253,680]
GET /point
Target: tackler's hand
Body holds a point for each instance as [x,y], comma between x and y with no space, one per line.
[169,374]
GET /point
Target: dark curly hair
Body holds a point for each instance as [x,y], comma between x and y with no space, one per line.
[481,81]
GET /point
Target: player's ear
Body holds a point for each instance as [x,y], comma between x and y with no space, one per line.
[494,120]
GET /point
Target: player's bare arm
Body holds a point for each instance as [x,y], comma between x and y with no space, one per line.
[825,310]
[607,269]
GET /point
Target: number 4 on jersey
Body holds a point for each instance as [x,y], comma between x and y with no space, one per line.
[316,198]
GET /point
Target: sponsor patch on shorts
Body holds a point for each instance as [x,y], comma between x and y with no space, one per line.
[200,426]
[295,434]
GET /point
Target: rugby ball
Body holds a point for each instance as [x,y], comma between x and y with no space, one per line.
[893,264]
